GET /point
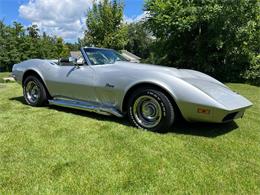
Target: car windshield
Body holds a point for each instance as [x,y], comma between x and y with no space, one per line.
[103,56]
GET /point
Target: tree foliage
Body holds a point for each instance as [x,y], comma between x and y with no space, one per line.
[139,40]
[252,74]
[219,37]
[18,44]
[105,26]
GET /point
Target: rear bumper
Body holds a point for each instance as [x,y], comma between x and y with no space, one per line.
[17,74]
[13,76]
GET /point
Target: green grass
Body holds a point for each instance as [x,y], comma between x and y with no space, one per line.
[55,150]
[3,75]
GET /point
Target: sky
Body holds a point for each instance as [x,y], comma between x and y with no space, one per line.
[64,18]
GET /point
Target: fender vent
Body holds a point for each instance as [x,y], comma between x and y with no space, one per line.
[230,117]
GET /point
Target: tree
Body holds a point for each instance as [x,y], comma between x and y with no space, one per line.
[73,46]
[217,37]
[61,49]
[105,26]
[33,31]
[18,44]
[9,41]
[139,40]
[3,56]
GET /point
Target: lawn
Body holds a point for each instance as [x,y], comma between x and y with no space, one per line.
[3,75]
[55,150]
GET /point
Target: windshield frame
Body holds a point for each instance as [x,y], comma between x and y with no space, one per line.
[87,50]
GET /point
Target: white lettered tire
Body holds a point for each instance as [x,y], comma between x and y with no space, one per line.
[151,109]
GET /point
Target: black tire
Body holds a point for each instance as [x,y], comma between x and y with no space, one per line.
[37,99]
[153,102]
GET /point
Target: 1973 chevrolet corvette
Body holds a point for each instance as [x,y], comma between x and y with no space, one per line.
[152,96]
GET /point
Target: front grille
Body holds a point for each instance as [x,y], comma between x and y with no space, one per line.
[230,117]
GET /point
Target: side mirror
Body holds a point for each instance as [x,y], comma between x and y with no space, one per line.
[73,60]
[68,61]
[80,61]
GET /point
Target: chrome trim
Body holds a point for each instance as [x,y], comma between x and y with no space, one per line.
[32,92]
[85,56]
[147,111]
[13,76]
[87,106]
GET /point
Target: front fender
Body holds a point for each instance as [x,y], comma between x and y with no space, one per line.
[181,91]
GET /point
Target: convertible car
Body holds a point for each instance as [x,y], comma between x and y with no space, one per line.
[103,81]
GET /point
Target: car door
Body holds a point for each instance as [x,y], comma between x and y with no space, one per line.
[73,82]
[109,83]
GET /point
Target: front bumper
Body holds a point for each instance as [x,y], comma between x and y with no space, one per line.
[227,105]
[222,116]
[215,115]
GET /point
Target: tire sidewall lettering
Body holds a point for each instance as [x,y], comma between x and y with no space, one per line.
[150,93]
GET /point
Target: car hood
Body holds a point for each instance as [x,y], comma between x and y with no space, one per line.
[229,99]
[184,74]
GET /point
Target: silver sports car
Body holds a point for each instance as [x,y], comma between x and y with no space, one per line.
[103,81]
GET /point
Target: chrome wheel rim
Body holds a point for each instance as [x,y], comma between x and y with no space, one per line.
[147,111]
[32,92]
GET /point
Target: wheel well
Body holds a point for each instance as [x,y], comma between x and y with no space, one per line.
[34,73]
[149,85]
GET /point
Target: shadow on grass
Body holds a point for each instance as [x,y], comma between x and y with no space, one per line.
[209,130]
[19,99]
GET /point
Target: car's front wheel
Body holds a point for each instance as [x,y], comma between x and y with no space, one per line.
[151,109]
[34,91]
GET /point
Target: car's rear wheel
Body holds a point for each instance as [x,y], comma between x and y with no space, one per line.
[151,109]
[34,91]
